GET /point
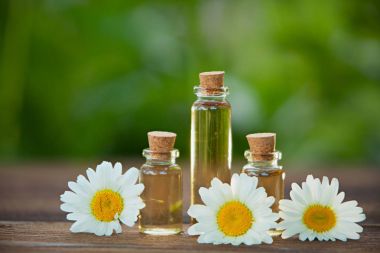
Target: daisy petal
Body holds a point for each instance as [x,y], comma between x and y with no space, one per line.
[243,200]
[88,202]
[317,211]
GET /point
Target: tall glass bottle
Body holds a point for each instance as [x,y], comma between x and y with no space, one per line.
[162,177]
[263,164]
[211,141]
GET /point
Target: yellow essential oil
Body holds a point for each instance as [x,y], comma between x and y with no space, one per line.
[211,142]
[162,195]
[263,164]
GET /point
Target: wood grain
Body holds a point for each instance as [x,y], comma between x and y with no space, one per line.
[54,236]
[30,219]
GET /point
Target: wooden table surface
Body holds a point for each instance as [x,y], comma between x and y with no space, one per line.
[31,221]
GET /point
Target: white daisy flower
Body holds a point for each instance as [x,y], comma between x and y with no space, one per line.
[234,214]
[97,204]
[316,211]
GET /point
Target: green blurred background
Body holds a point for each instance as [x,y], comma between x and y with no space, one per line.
[87,79]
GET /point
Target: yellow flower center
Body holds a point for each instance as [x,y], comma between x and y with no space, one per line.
[319,218]
[234,218]
[105,204]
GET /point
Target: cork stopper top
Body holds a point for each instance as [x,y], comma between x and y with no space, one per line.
[161,141]
[262,145]
[212,79]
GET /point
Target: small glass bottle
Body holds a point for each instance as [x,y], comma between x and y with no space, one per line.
[263,164]
[211,141]
[162,179]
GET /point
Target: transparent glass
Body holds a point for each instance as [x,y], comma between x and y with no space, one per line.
[211,141]
[270,176]
[162,195]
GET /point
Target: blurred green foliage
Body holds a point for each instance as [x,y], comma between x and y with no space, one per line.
[82,79]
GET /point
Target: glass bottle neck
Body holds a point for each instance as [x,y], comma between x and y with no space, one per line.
[271,161]
[160,158]
[202,97]
[219,94]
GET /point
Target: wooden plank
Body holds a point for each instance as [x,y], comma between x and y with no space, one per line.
[31,193]
[55,236]
[29,208]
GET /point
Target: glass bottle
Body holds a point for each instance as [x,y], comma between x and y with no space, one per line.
[263,164]
[211,141]
[162,195]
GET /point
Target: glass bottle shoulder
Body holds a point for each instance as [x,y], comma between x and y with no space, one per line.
[160,169]
[256,170]
[203,104]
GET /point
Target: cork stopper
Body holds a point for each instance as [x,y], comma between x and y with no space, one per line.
[161,143]
[211,80]
[262,145]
